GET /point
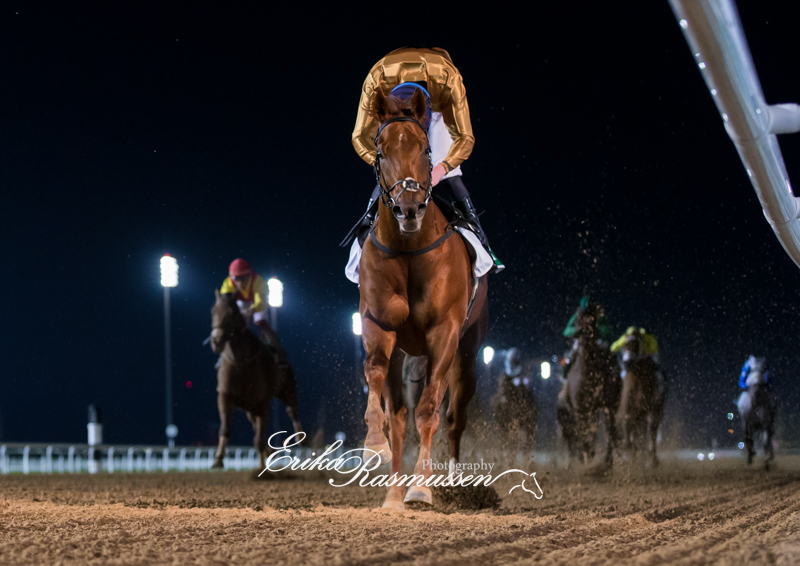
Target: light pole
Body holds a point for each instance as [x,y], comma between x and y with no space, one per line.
[275,300]
[169,279]
[357,336]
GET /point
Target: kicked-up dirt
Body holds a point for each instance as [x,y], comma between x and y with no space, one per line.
[719,512]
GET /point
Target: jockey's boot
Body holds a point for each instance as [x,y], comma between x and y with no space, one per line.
[361,229]
[466,208]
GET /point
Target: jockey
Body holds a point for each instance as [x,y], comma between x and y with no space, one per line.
[603,328]
[649,346]
[401,73]
[751,364]
[251,296]
[603,331]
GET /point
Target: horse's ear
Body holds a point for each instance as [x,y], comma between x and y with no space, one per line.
[418,106]
[380,106]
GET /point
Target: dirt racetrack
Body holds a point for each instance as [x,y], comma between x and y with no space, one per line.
[684,513]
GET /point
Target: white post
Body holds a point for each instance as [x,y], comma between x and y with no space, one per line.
[3,464]
[165,460]
[182,460]
[238,459]
[94,430]
[26,452]
[110,461]
[130,459]
[49,460]
[147,455]
[71,460]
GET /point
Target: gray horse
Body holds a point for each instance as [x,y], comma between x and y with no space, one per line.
[757,410]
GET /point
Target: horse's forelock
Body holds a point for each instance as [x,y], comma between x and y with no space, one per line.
[394,107]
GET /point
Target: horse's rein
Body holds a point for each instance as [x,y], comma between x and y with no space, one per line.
[227,338]
[409,183]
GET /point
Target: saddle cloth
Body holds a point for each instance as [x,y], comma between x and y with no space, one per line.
[481,260]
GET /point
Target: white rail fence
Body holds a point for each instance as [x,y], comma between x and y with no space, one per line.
[82,458]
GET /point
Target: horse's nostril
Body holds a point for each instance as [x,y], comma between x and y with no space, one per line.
[397,211]
[422,206]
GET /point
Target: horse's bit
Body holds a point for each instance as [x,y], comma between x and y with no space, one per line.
[409,183]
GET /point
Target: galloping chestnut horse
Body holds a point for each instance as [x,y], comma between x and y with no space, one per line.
[641,406]
[248,376]
[592,385]
[415,284]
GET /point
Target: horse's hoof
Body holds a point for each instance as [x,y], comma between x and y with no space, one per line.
[217,465]
[396,505]
[384,450]
[419,494]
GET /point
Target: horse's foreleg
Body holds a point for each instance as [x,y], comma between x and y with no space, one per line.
[397,433]
[259,439]
[462,388]
[225,408]
[611,433]
[397,416]
[442,344]
[379,345]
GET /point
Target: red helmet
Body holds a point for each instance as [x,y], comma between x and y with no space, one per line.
[239,267]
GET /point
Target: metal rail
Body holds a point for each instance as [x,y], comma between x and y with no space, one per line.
[81,458]
[714,33]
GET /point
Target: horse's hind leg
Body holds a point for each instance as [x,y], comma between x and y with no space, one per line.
[748,442]
[769,451]
[288,396]
[462,388]
[225,408]
[396,413]
[259,438]
[566,420]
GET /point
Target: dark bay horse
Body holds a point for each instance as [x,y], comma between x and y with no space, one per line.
[641,406]
[248,376]
[516,412]
[416,284]
[591,386]
[757,411]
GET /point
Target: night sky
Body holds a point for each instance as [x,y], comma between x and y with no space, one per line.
[216,131]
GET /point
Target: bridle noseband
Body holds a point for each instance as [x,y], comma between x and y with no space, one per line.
[409,183]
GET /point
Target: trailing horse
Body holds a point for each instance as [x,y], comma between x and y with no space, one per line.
[416,287]
[248,376]
[757,411]
[591,385]
[641,405]
[516,412]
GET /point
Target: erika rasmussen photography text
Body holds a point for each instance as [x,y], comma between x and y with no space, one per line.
[359,463]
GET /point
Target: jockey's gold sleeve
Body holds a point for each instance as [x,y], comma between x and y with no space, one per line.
[445,86]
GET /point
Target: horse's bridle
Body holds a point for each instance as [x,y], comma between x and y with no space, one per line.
[409,183]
